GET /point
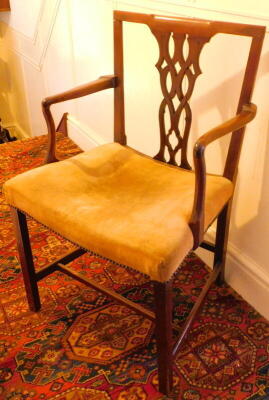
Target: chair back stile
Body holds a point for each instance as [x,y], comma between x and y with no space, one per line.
[119,116]
[236,142]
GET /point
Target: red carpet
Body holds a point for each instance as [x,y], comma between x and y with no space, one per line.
[81,346]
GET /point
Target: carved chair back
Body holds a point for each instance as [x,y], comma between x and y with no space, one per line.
[178,67]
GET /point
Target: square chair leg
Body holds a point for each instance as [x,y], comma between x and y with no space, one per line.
[26,259]
[163,312]
[223,223]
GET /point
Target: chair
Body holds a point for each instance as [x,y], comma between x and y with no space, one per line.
[141,212]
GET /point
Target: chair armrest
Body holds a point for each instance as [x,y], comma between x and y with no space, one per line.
[102,83]
[232,125]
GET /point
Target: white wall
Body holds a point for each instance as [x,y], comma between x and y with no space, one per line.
[57,44]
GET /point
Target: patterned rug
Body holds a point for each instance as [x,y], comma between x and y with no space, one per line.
[82,346]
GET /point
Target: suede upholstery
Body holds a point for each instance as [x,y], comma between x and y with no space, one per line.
[120,204]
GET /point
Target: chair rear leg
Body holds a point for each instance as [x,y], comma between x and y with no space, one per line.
[26,259]
[222,240]
[163,307]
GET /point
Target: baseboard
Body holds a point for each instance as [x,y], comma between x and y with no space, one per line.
[245,276]
[16,130]
[82,135]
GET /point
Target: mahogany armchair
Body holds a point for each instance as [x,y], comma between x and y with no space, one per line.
[141,212]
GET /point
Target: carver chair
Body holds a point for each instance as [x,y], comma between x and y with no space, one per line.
[141,212]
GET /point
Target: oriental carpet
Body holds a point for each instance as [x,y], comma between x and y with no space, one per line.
[83,346]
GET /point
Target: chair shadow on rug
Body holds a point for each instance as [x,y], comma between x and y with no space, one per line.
[141,212]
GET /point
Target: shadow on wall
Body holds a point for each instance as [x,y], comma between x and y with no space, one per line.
[251,234]
[13,101]
[5,111]
[225,109]
[254,233]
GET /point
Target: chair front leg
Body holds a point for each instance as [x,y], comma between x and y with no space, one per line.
[223,224]
[26,259]
[163,311]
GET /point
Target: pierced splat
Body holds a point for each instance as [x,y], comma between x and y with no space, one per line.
[178,74]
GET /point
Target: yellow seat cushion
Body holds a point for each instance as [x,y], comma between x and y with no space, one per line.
[120,204]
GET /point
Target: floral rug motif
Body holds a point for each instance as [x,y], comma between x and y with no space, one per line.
[84,346]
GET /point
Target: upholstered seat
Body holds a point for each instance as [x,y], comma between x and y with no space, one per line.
[119,203]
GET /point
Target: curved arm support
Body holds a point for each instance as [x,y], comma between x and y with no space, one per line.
[104,82]
[235,124]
